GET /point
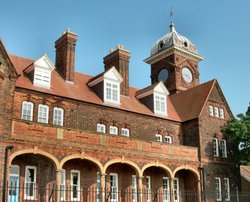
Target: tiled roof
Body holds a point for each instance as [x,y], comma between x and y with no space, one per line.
[144,90]
[245,172]
[80,91]
[189,103]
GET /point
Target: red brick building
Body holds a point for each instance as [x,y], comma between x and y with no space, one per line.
[98,139]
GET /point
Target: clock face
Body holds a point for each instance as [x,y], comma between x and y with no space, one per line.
[187,75]
[163,75]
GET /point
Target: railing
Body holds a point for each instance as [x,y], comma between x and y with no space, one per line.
[35,193]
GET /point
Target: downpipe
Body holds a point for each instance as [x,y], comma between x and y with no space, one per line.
[203,191]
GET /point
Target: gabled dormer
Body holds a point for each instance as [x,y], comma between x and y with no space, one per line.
[155,98]
[40,72]
[107,86]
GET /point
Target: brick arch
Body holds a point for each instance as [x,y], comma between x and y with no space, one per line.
[81,156]
[35,151]
[122,160]
[189,168]
[157,164]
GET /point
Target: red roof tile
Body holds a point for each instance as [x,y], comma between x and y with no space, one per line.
[189,103]
[144,90]
[80,91]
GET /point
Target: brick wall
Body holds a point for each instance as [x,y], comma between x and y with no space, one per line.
[210,127]
[6,112]
[84,116]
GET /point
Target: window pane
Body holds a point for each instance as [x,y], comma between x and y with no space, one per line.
[27,110]
[224,148]
[215,147]
[160,104]
[211,110]
[218,188]
[125,132]
[101,128]
[112,92]
[58,116]
[43,114]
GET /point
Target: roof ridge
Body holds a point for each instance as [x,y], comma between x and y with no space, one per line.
[22,57]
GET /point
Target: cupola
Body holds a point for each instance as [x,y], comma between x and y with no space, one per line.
[174,61]
[173,38]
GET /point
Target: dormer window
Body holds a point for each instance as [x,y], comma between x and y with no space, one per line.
[155,98]
[40,72]
[159,104]
[112,92]
[107,86]
[42,77]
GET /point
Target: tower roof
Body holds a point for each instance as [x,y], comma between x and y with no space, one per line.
[173,38]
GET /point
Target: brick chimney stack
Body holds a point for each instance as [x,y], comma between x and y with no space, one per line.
[120,59]
[65,55]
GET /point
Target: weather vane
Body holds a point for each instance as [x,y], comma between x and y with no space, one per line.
[171,14]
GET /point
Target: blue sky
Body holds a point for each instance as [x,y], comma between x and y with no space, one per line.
[219,29]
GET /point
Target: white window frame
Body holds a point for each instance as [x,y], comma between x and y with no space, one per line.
[98,187]
[227,189]
[41,118]
[77,189]
[176,190]
[168,139]
[224,148]
[33,184]
[211,110]
[160,106]
[221,113]
[148,189]
[42,77]
[27,114]
[166,189]
[215,147]
[125,132]
[158,137]
[114,189]
[134,188]
[216,112]
[218,189]
[56,120]
[114,90]
[101,128]
[113,130]
[63,185]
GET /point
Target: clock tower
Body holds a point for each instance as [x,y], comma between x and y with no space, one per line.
[174,61]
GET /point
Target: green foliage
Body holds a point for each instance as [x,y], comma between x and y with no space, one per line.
[238,130]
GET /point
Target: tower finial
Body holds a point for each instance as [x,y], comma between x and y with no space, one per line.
[172,28]
[171,14]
